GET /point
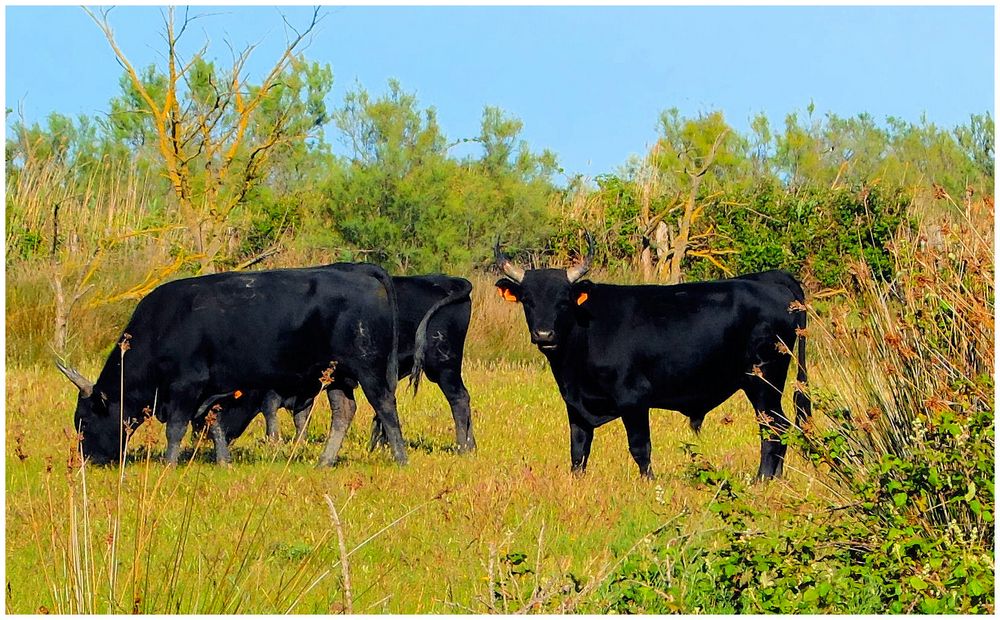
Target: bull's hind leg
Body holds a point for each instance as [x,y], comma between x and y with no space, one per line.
[378,437]
[384,402]
[222,456]
[639,445]
[453,387]
[342,410]
[763,387]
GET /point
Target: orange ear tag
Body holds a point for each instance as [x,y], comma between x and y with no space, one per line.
[237,394]
[582,298]
[506,294]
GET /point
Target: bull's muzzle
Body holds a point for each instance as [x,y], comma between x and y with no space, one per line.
[545,339]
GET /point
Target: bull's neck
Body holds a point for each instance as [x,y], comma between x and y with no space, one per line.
[572,347]
[140,390]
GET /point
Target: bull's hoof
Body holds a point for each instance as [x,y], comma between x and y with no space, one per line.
[467,448]
[324,462]
[763,477]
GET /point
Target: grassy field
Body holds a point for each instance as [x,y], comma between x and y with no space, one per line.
[504,529]
[508,528]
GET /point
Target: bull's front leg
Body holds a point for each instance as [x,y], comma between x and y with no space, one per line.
[581,435]
[176,427]
[272,402]
[639,445]
[378,437]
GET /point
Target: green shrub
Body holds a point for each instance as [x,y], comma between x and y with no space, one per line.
[812,232]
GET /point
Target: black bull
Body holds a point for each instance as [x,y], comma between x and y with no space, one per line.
[196,337]
[434,312]
[617,351]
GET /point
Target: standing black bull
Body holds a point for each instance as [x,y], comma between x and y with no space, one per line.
[617,351]
[193,338]
[434,313]
[437,305]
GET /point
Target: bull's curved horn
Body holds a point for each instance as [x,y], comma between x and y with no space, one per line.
[512,271]
[575,273]
[86,387]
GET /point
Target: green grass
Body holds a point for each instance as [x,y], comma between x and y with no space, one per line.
[257,536]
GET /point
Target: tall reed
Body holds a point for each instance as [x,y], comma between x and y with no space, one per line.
[907,378]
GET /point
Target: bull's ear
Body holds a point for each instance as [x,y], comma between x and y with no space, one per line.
[508,289]
[580,292]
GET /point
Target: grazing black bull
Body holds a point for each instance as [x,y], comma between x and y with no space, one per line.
[617,351]
[197,337]
[434,313]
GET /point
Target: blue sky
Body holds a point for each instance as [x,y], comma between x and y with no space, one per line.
[588,82]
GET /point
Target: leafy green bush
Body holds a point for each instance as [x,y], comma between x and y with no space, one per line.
[858,561]
[813,232]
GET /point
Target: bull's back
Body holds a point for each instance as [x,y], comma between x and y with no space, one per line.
[447,327]
[673,347]
[262,323]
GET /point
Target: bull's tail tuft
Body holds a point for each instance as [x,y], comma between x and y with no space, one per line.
[420,340]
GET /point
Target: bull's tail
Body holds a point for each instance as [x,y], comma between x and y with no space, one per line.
[420,340]
[392,364]
[801,401]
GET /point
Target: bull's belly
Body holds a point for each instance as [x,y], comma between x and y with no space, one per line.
[602,402]
[692,403]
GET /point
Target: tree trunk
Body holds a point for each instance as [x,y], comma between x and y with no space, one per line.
[61,321]
[683,233]
[646,262]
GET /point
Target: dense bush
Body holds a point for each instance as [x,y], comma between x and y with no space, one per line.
[813,232]
[857,561]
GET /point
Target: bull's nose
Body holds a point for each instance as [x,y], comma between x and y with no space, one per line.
[539,336]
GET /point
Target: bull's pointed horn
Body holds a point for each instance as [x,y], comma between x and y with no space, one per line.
[575,273]
[510,270]
[86,387]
